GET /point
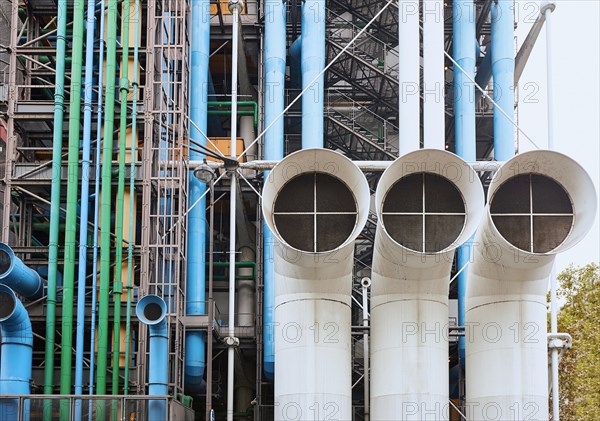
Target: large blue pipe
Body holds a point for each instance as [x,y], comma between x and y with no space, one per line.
[195,353]
[464,121]
[17,351]
[275,63]
[14,274]
[85,187]
[503,70]
[152,310]
[313,62]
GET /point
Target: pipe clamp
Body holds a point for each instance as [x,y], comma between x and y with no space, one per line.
[231,341]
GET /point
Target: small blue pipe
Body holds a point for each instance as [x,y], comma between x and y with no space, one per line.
[275,63]
[503,69]
[195,353]
[85,187]
[313,62]
[16,275]
[464,127]
[17,351]
[269,303]
[97,199]
[152,310]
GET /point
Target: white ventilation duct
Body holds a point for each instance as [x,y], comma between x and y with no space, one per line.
[540,203]
[428,203]
[316,203]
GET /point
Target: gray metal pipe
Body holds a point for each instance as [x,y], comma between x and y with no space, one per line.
[366,166]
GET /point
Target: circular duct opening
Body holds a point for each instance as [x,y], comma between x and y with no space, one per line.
[424,212]
[152,312]
[7,304]
[4,261]
[533,212]
[315,212]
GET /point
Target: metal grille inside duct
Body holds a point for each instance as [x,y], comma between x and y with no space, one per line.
[532,212]
[424,212]
[315,212]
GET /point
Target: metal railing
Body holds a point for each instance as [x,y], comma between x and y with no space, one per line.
[363,120]
[107,407]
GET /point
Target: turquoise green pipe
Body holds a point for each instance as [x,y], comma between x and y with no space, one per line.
[118,281]
[59,89]
[131,197]
[227,111]
[66,354]
[106,199]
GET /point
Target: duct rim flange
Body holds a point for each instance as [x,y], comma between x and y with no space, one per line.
[316,161]
[565,172]
[447,166]
[151,304]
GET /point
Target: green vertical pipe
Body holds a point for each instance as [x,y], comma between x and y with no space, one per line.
[106,197]
[131,196]
[66,354]
[118,281]
[61,23]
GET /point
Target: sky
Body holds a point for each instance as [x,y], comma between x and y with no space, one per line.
[576,93]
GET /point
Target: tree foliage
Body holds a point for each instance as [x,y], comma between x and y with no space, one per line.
[580,366]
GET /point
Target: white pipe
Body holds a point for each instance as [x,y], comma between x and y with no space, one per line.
[506,295]
[547,9]
[434,116]
[235,7]
[247,133]
[409,76]
[313,367]
[411,272]
[366,283]
[245,287]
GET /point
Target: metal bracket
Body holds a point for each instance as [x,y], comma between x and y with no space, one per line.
[231,341]
[560,341]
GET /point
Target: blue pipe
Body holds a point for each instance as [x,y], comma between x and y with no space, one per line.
[195,353]
[97,199]
[464,119]
[275,55]
[296,64]
[313,62]
[14,274]
[17,352]
[152,310]
[503,69]
[85,186]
